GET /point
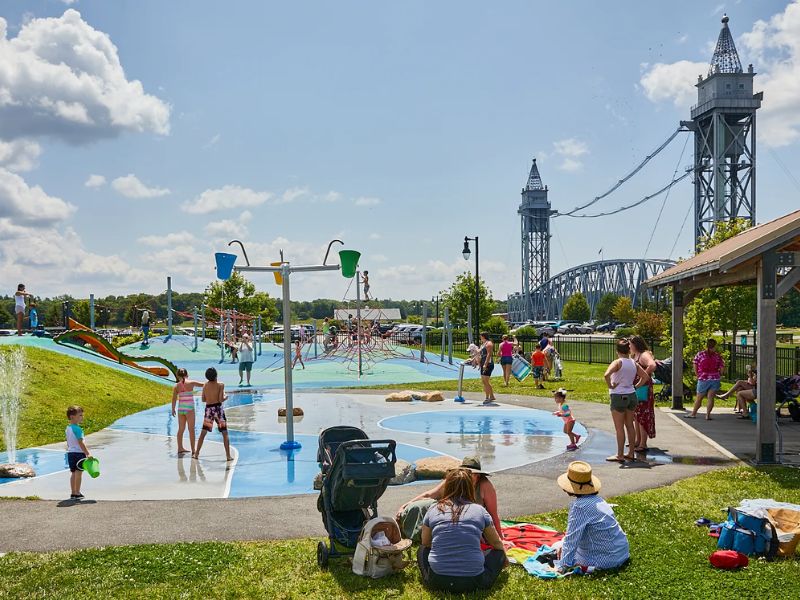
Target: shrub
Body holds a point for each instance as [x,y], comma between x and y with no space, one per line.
[496,325]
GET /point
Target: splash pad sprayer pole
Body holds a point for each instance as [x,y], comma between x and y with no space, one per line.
[203,316]
[169,309]
[285,270]
[424,339]
[91,312]
[358,320]
[460,396]
[195,329]
[260,334]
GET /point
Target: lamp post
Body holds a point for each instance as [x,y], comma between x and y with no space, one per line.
[436,324]
[466,254]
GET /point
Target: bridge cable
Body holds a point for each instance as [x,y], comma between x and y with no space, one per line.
[617,185]
[677,237]
[635,204]
[666,197]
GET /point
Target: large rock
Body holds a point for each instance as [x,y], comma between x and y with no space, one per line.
[435,467]
[433,397]
[404,473]
[16,470]
[296,412]
[400,397]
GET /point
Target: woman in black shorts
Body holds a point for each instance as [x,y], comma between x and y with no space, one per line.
[487,366]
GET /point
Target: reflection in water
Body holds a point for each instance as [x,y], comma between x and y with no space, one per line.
[195,469]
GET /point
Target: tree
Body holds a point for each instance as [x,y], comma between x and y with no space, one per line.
[6,318]
[605,306]
[239,294]
[461,294]
[623,311]
[650,325]
[495,324]
[789,309]
[576,308]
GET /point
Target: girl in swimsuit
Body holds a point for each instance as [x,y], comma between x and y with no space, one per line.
[487,366]
[183,396]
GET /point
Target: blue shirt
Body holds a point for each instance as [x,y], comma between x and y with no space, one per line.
[594,537]
[456,547]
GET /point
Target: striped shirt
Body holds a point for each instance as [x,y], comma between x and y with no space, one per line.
[594,537]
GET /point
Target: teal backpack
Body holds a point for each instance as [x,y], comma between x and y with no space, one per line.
[748,534]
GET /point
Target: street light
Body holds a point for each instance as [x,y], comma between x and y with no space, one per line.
[436,324]
[466,254]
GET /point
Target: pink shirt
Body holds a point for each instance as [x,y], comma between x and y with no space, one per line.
[709,365]
[506,349]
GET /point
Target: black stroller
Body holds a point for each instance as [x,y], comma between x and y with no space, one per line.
[663,374]
[355,473]
[787,390]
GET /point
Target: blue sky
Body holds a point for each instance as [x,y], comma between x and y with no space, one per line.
[397,127]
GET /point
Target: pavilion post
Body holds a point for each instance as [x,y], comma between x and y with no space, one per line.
[678,307]
[765,352]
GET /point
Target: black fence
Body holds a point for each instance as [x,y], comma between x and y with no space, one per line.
[787,360]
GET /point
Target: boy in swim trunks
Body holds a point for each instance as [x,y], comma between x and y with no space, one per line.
[560,396]
[538,359]
[214,396]
[76,450]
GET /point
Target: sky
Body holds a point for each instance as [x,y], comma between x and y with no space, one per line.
[138,137]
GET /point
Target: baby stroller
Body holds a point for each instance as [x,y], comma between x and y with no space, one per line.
[663,374]
[787,390]
[355,473]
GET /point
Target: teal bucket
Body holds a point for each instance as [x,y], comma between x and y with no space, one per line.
[348,259]
[225,264]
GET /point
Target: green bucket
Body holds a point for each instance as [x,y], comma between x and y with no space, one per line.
[91,466]
[349,262]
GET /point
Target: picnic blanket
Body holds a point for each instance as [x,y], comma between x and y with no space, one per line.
[523,540]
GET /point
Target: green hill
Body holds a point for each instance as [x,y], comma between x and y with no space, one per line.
[55,381]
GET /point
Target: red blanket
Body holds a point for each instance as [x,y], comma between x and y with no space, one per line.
[527,536]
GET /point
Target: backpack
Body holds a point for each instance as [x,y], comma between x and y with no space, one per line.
[371,560]
[748,534]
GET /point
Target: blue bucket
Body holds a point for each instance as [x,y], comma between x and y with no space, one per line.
[225,264]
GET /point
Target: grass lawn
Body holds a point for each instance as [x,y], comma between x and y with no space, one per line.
[669,559]
[584,382]
[55,381]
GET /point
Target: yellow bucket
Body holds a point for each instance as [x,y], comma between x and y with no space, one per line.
[278,276]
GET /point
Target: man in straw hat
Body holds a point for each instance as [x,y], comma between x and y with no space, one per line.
[594,537]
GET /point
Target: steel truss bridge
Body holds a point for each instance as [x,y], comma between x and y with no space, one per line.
[622,277]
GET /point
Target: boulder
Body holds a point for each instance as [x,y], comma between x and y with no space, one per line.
[16,470]
[400,397]
[296,412]
[435,467]
[404,473]
[433,397]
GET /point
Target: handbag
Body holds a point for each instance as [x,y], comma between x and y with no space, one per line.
[643,393]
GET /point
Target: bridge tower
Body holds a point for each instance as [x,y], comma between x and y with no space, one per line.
[535,211]
[724,126]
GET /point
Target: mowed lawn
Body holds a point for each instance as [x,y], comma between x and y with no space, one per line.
[583,381]
[55,381]
[669,559]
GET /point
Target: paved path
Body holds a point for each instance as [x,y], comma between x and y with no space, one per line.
[39,525]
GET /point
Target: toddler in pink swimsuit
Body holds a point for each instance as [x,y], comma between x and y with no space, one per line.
[560,396]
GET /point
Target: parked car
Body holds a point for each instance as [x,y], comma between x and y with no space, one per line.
[566,326]
[415,335]
[545,328]
[585,328]
[606,327]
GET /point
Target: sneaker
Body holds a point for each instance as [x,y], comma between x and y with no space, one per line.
[76,496]
[572,447]
[577,439]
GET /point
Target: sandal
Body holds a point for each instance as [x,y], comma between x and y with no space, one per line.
[641,449]
[615,458]
[690,416]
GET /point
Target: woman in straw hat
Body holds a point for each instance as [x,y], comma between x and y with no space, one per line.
[450,556]
[594,537]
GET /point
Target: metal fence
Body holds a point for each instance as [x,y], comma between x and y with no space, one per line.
[787,360]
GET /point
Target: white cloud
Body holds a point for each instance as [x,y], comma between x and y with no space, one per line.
[26,205]
[367,201]
[19,155]
[374,236]
[570,150]
[229,228]
[62,78]
[292,194]
[95,181]
[774,47]
[330,197]
[70,1]
[226,197]
[673,82]
[178,238]
[682,38]
[131,187]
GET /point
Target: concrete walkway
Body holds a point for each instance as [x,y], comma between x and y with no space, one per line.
[34,525]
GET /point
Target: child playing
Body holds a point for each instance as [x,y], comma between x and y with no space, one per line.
[76,450]
[560,396]
[19,306]
[365,283]
[183,396]
[538,359]
[214,396]
[298,354]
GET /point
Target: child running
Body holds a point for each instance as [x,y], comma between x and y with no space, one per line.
[183,396]
[560,396]
[214,396]
[76,450]
[538,359]
[298,354]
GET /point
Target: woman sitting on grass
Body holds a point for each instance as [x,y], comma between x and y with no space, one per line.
[450,557]
[593,537]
